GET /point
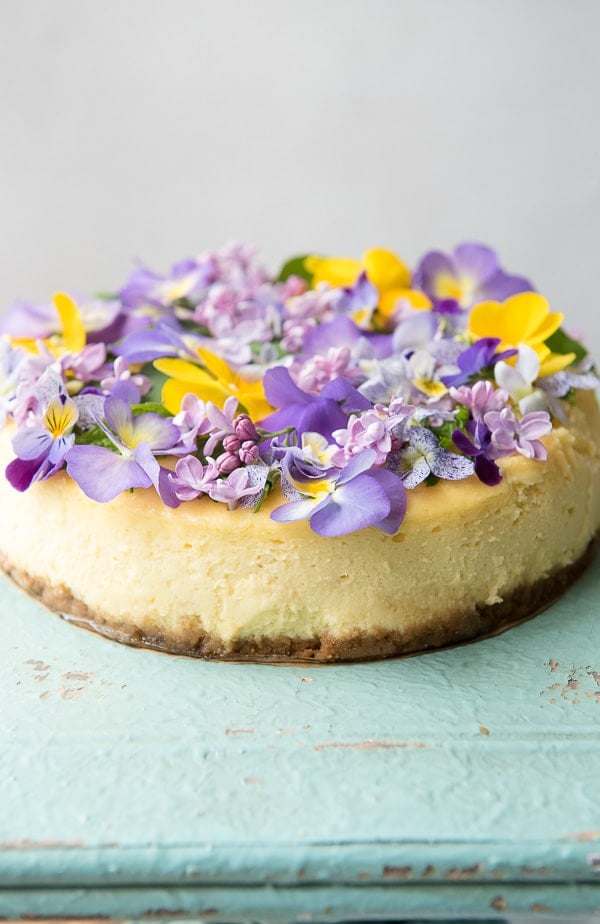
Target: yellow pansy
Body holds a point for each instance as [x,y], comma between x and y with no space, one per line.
[390,276]
[214,381]
[71,338]
[522,319]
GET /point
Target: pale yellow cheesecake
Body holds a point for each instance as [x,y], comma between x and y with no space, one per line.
[342,460]
[469,559]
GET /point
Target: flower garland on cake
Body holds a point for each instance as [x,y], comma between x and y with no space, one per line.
[348,382]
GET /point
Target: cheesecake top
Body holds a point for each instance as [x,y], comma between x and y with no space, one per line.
[339,384]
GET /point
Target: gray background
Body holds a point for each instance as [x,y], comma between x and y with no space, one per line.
[152,130]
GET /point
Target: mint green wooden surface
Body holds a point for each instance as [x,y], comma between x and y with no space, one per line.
[461,783]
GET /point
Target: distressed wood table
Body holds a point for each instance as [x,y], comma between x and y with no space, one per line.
[460,784]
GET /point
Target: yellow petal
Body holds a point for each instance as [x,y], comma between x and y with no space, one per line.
[522,315]
[184,371]
[386,270]
[389,300]
[556,362]
[217,366]
[174,391]
[70,321]
[337,271]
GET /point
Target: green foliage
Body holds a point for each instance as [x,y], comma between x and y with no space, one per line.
[560,342]
[295,267]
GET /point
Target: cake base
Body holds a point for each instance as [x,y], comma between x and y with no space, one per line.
[485,621]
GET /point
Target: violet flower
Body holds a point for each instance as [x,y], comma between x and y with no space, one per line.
[478,447]
[347,500]
[102,473]
[424,456]
[481,355]
[471,274]
[41,446]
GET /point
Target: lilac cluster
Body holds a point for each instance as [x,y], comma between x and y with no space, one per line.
[358,405]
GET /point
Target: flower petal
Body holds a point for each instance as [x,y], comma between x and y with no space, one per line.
[102,474]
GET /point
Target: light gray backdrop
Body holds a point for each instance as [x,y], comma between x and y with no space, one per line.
[146,129]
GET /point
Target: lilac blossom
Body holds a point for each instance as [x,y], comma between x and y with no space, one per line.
[509,435]
[242,487]
[191,478]
[480,398]
[374,429]
[123,382]
[423,456]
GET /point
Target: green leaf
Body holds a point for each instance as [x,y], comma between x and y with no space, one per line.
[295,267]
[560,342]
[154,407]
[95,436]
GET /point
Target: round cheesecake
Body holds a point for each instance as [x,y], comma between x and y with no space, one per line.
[201,580]
[343,460]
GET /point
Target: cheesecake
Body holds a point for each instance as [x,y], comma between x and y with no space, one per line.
[404,465]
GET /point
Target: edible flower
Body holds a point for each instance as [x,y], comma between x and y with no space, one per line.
[347,500]
[41,446]
[102,473]
[470,274]
[383,268]
[523,319]
[215,382]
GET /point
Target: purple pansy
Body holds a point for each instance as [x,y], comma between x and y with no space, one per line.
[471,274]
[102,473]
[42,445]
[348,499]
[423,456]
[481,355]
[477,445]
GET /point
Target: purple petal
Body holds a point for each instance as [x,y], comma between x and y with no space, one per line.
[477,261]
[502,286]
[293,510]
[341,331]
[360,503]
[21,473]
[281,390]
[118,415]
[432,265]
[487,471]
[31,442]
[102,474]
[395,490]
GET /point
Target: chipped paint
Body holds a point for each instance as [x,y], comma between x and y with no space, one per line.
[584,836]
[553,665]
[499,903]
[28,844]
[240,731]
[534,870]
[484,730]
[467,872]
[369,745]
[539,907]
[397,872]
